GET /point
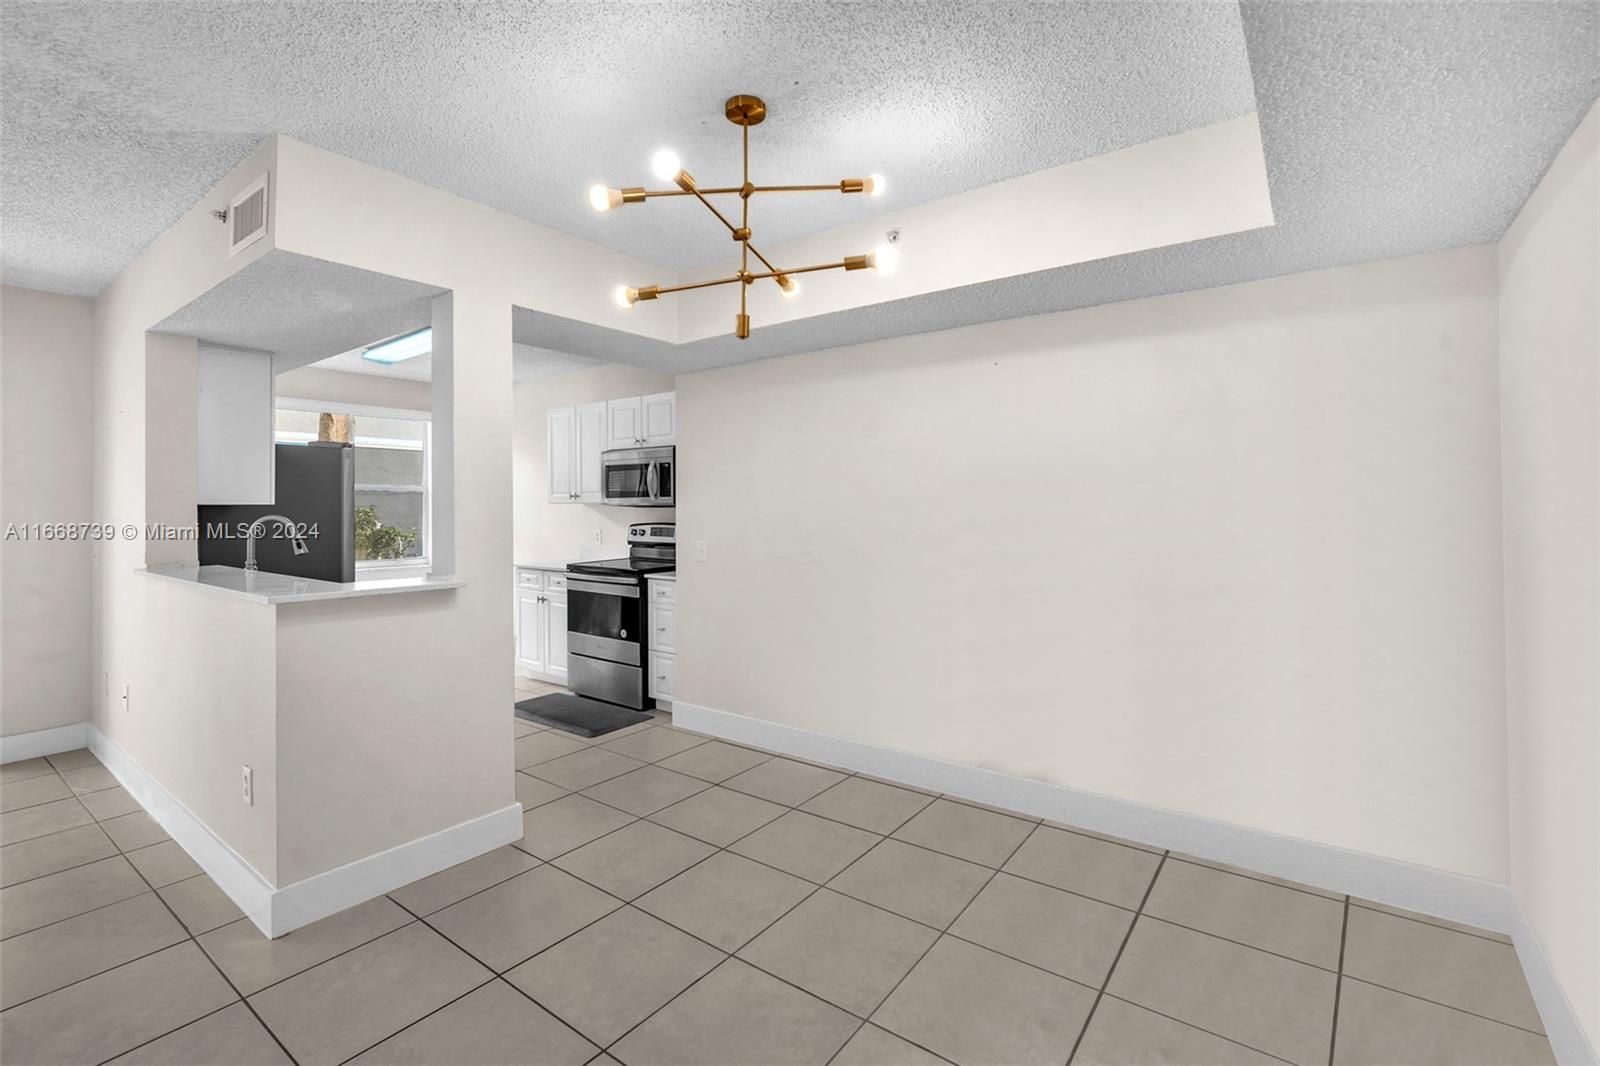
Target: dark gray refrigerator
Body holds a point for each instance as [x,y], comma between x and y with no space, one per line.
[315,485]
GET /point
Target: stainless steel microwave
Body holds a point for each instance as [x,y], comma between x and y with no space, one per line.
[639,477]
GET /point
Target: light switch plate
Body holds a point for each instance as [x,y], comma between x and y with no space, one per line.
[702,551]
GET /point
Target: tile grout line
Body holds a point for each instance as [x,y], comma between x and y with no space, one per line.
[1338,981]
[213,964]
[1088,1019]
[939,933]
[500,975]
[418,1021]
[1449,1006]
[993,873]
[816,885]
[727,955]
[1198,1028]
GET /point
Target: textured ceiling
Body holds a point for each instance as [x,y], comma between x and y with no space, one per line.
[309,311]
[119,116]
[302,309]
[527,362]
[1388,129]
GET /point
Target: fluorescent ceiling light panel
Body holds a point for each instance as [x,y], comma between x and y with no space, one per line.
[399,349]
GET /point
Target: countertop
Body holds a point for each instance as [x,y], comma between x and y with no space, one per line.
[557,564]
[259,586]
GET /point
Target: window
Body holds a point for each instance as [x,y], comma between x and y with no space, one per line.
[393,474]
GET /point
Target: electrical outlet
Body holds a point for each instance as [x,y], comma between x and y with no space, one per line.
[249,787]
[598,534]
[702,551]
[105,686]
[127,697]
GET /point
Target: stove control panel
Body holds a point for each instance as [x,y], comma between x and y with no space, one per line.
[652,533]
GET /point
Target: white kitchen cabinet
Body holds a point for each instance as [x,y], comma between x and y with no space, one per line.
[661,682]
[625,422]
[234,442]
[530,656]
[541,624]
[642,421]
[659,418]
[562,453]
[575,441]
[663,671]
[591,442]
[555,637]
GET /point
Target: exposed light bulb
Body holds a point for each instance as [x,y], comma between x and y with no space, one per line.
[790,287]
[874,185]
[665,164]
[604,199]
[623,297]
[885,259]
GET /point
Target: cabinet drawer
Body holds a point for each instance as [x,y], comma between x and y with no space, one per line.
[663,671]
[530,579]
[555,582]
[664,592]
[663,635]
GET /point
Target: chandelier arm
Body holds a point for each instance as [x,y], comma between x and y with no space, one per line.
[664,289]
[764,262]
[774,273]
[651,194]
[794,188]
[713,209]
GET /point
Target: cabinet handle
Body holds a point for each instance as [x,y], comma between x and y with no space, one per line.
[661,677]
[661,629]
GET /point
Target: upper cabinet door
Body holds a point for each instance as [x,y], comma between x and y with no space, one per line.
[562,453]
[624,423]
[591,429]
[235,431]
[660,418]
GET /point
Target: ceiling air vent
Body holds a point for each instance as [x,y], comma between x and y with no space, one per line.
[247,216]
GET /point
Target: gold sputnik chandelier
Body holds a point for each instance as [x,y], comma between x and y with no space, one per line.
[742,111]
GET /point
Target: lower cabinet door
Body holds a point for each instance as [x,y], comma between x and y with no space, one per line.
[530,646]
[555,628]
[662,668]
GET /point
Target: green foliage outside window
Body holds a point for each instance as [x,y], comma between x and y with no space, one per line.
[374,540]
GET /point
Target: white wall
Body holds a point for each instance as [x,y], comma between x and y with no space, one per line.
[199,668]
[545,531]
[1231,552]
[211,668]
[339,386]
[1550,440]
[46,344]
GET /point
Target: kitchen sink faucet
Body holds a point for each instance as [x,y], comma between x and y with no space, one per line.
[297,543]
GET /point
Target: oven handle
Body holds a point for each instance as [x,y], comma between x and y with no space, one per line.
[651,480]
[604,587]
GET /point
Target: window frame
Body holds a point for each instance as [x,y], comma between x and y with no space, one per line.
[407,414]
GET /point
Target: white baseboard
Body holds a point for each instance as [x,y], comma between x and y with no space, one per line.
[1457,897]
[62,738]
[235,876]
[344,886]
[276,911]
[1567,1037]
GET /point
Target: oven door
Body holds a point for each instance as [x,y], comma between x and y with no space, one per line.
[639,477]
[605,618]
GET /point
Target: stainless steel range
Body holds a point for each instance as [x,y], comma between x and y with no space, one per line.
[607,647]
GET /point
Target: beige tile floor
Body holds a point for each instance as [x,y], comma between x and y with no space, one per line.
[682,900]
